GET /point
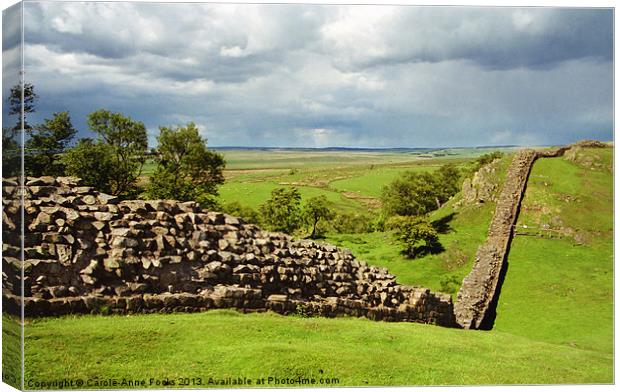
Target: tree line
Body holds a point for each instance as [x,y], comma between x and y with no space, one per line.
[186,170]
[114,159]
[407,203]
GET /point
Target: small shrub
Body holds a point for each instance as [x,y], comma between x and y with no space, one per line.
[417,236]
[302,311]
[348,223]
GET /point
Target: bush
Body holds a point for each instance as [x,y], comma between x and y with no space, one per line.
[450,284]
[348,223]
[416,234]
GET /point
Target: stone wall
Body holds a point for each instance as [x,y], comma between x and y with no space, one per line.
[479,287]
[477,297]
[86,252]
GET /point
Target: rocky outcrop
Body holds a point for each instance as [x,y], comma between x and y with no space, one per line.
[479,287]
[482,187]
[85,251]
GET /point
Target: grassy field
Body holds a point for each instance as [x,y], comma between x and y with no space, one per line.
[554,320]
[559,283]
[347,352]
[351,181]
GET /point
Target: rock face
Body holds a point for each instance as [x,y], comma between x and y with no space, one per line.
[85,251]
[482,187]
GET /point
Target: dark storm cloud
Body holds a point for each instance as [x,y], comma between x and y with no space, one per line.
[329,75]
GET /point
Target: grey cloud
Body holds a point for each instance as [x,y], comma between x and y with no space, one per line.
[308,75]
[499,38]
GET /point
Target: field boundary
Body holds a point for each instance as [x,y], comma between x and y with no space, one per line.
[477,298]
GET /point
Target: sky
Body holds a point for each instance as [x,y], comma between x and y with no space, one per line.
[293,75]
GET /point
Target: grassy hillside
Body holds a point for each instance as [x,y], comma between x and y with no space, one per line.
[559,283]
[554,323]
[360,352]
[465,228]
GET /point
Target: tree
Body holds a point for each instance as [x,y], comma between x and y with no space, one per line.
[417,194]
[120,149]
[186,169]
[19,102]
[282,211]
[416,234]
[410,195]
[315,209]
[128,140]
[448,182]
[93,162]
[11,136]
[47,141]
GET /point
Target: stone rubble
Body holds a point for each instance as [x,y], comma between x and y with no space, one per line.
[88,252]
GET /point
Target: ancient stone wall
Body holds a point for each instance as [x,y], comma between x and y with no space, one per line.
[474,308]
[479,287]
[86,252]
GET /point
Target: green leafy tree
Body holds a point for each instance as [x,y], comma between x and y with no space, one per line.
[186,169]
[417,194]
[282,212]
[125,143]
[416,234]
[315,210]
[448,183]
[412,194]
[46,144]
[129,143]
[92,161]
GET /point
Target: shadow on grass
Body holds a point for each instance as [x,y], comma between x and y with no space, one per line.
[442,224]
[424,250]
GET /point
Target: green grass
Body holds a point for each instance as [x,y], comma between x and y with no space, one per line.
[11,351]
[352,181]
[357,352]
[467,228]
[557,289]
[372,181]
[554,323]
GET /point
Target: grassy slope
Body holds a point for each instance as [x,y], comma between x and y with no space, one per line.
[557,290]
[468,228]
[356,351]
[554,321]
[11,351]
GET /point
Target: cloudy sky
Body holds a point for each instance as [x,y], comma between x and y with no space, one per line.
[316,76]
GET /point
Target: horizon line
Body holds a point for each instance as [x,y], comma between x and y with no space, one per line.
[379,148]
